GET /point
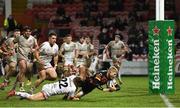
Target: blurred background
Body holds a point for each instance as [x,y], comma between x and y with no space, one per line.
[99,19]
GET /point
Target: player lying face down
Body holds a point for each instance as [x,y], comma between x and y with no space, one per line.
[98,80]
[67,85]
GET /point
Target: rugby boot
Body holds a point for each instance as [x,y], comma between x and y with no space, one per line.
[22,89]
[11,93]
[28,83]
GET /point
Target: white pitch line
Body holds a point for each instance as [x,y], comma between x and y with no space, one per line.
[166,101]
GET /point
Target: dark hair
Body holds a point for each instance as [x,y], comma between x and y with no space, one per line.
[81,37]
[26,28]
[77,81]
[51,34]
[15,30]
[68,35]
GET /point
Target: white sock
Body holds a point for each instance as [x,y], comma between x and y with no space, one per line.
[119,75]
[23,94]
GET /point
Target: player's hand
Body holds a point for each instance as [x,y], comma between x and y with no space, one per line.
[75,99]
[113,88]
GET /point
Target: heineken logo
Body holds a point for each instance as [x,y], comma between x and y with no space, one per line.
[156,31]
[169,31]
[170,67]
[156,60]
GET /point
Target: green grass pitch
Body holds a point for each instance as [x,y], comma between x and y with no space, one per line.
[133,93]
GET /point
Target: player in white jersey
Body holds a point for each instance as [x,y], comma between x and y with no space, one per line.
[92,57]
[82,52]
[47,52]
[117,50]
[11,58]
[67,85]
[68,52]
[27,45]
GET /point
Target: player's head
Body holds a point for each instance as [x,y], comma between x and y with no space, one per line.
[27,31]
[81,39]
[112,72]
[78,81]
[16,33]
[52,38]
[68,38]
[88,39]
[117,37]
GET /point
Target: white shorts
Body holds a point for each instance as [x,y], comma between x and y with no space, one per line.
[80,61]
[68,61]
[49,89]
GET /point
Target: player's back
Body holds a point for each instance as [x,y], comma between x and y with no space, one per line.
[63,86]
[67,85]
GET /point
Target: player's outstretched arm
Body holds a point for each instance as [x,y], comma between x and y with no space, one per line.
[113,88]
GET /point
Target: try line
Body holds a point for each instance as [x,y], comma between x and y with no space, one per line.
[166,101]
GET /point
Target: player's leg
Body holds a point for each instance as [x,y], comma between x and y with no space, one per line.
[37,96]
[119,75]
[42,77]
[67,63]
[10,69]
[117,64]
[83,73]
[29,73]
[25,95]
[22,71]
[51,74]
[93,65]
[21,75]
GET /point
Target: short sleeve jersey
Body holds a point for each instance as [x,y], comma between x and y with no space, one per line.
[47,51]
[24,46]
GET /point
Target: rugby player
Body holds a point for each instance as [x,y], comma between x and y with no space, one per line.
[98,80]
[117,50]
[11,58]
[47,52]
[27,45]
[68,52]
[67,85]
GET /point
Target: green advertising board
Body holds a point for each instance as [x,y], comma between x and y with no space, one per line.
[161,57]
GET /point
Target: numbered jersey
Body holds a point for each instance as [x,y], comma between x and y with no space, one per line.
[63,86]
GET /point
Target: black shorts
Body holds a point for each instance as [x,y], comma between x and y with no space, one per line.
[87,87]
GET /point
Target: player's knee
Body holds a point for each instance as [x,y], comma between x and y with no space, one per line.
[53,77]
[13,68]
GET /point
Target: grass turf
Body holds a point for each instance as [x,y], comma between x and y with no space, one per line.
[133,93]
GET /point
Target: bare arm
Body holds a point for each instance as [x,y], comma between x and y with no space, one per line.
[61,51]
[55,61]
